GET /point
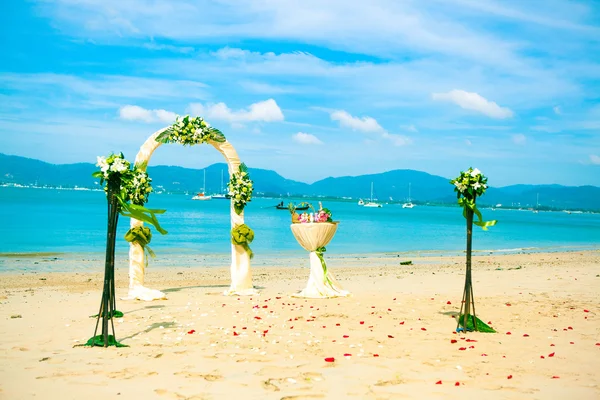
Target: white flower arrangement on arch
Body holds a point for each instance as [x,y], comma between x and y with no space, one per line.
[240,188]
[468,186]
[190,131]
[135,185]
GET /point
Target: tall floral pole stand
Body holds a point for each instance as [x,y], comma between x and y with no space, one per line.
[127,190]
[190,131]
[468,186]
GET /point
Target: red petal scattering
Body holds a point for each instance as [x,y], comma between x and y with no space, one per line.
[362,322]
[390,336]
[457,384]
[190,332]
[586,310]
[438,383]
[329,359]
[347,355]
[598,344]
[256,317]
[508,304]
[375,355]
[337,324]
[508,333]
[525,335]
[483,355]
[571,342]
[453,341]
[570,327]
[345,336]
[551,355]
[423,329]
[448,302]
[542,357]
[235,333]
[555,377]
[389,309]
[402,323]
[470,340]
[509,377]
[462,348]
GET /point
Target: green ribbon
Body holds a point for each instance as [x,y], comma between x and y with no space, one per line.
[142,236]
[470,203]
[319,252]
[242,235]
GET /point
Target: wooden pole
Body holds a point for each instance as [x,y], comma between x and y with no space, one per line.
[468,300]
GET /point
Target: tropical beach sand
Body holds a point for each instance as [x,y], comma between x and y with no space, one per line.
[394,338]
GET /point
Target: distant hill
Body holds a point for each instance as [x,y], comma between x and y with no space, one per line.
[391,185]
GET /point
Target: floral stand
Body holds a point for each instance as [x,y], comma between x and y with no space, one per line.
[314,237]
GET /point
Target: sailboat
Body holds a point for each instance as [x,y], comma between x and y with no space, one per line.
[201,195]
[409,204]
[372,203]
[221,195]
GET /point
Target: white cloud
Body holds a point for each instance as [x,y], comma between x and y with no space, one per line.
[364,124]
[136,113]
[475,102]
[412,128]
[265,111]
[468,142]
[306,138]
[397,140]
[557,110]
[519,139]
[595,159]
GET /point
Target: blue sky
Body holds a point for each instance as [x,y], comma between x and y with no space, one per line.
[311,89]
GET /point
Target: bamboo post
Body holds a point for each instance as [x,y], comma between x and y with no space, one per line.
[108,302]
[468,300]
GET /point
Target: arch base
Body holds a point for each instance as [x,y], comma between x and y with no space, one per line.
[145,294]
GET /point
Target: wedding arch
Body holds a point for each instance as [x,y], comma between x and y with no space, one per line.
[190,131]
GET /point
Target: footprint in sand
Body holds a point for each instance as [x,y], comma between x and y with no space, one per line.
[206,377]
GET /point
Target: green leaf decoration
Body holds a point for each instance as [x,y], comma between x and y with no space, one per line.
[481,326]
[115,314]
[143,214]
[163,137]
[216,135]
[99,342]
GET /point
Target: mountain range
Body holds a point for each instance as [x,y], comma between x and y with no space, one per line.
[388,186]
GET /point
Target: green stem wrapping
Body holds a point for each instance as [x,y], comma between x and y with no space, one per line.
[242,235]
[319,252]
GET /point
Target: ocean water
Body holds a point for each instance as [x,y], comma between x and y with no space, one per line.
[46,220]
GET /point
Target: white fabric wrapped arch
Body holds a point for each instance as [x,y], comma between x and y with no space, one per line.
[311,236]
[241,275]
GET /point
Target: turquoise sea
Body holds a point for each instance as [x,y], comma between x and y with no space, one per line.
[50,220]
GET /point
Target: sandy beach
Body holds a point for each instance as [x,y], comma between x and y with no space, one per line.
[394,338]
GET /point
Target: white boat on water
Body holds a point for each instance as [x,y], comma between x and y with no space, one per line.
[201,195]
[408,204]
[361,202]
[371,203]
[221,195]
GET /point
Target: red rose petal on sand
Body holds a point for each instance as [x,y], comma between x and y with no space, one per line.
[438,383]
[598,344]
[509,377]
[471,347]
[257,317]
[471,340]
[389,309]
[345,336]
[555,377]
[190,332]
[423,329]
[390,336]
[375,355]
[337,324]
[508,304]
[462,348]
[542,357]
[551,355]
[525,335]
[347,355]
[402,323]
[571,342]
[329,359]
[235,333]
[453,341]
[508,333]
[448,302]
[483,355]
[362,322]
[586,310]
[457,384]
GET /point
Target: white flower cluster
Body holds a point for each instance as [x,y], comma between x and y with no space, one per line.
[189,131]
[135,184]
[240,188]
[470,183]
